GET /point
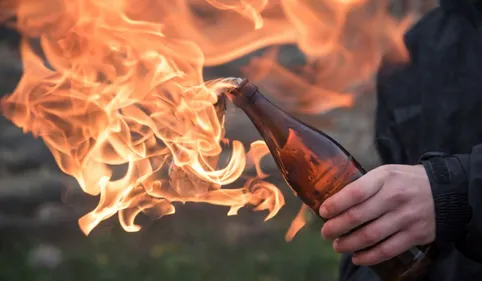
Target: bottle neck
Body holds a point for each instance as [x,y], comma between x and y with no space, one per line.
[271,121]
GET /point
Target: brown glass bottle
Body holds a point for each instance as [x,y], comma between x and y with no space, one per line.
[315,167]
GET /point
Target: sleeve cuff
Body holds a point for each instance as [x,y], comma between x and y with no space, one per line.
[449,183]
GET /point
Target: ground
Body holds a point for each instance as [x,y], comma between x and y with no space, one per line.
[40,239]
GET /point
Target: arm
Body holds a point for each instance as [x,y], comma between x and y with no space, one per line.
[456,183]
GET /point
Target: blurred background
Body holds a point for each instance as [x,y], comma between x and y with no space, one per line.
[39,208]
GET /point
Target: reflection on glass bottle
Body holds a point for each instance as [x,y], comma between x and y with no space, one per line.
[315,167]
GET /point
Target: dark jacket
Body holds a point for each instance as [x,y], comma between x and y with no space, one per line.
[430,111]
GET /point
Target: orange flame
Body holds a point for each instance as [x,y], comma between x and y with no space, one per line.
[297,224]
[116,90]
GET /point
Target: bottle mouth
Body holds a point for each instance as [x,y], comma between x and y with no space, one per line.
[240,91]
[236,81]
[231,85]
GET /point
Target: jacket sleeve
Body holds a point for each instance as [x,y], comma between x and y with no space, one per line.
[456,182]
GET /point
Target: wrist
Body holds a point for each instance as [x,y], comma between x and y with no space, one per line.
[449,185]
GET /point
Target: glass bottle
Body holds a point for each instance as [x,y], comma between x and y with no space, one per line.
[315,166]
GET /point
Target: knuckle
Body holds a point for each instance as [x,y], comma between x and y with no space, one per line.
[370,235]
[409,216]
[398,196]
[386,169]
[418,236]
[392,171]
[385,252]
[357,193]
[382,169]
[354,216]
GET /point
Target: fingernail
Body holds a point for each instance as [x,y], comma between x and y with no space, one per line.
[323,211]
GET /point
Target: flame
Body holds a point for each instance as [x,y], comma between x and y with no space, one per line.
[257,151]
[297,224]
[115,89]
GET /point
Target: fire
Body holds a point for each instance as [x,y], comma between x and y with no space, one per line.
[115,89]
[297,224]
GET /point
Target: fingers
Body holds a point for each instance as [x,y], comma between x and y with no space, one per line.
[369,210]
[371,234]
[353,194]
[388,249]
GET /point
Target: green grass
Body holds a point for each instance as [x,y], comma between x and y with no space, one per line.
[204,255]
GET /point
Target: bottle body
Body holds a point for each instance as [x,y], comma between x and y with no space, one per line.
[315,167]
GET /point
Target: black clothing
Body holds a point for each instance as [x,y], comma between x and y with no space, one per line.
[430,111]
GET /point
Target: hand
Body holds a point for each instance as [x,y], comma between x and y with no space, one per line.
[396,199]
